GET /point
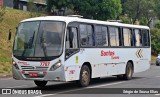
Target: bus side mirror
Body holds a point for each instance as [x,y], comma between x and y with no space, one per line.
[10,35]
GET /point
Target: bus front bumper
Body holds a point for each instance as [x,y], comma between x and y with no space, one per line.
[56,75]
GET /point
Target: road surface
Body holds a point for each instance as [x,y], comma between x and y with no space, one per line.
[148,79]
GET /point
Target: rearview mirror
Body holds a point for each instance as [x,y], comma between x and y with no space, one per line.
[10,35]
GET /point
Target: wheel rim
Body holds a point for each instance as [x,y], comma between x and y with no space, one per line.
[85,77]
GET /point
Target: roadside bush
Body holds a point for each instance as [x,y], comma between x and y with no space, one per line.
[125,19]
[155,40]
[143,21]
[157,25]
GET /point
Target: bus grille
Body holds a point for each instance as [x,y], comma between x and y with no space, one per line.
[34,68]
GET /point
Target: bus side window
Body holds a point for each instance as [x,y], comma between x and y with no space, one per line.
[127,36]
[83,35]
[71,38]
[98,36]
[138,35]
[90,35]
[101,36]
[87,35]
[114,36]
[146,41]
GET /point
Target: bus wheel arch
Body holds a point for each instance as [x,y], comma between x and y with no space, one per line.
[85,74]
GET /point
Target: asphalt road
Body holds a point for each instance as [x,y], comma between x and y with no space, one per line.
[148,79]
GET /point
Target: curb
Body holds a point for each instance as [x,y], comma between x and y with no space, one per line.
[5,75]
[152,63]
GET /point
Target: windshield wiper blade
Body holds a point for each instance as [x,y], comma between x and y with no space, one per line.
[29,45]
[31,41]
[43,46]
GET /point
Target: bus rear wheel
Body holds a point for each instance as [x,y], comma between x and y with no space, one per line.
[84,76]
[40,83]
[129,72]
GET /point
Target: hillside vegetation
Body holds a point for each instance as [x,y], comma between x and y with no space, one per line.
[12,18]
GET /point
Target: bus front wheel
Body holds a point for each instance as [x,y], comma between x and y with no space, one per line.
[40,83]
[84,76]
[129,71]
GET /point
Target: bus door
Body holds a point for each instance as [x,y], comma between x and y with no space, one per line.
[71,50]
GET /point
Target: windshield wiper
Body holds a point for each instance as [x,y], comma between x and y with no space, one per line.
[31,40]
[29,44]
[43,46]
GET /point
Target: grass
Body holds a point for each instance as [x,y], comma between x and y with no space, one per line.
[153,59]
[11,19]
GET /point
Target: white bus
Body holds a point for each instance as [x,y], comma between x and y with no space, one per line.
[63,48]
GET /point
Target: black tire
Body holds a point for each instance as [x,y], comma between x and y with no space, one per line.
[85,76]
[129,72]
[40,83]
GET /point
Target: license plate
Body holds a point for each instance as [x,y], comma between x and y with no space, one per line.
[33,74]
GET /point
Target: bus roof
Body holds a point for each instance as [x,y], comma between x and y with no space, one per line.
[68,19]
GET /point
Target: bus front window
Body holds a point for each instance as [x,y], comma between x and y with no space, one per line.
[39,39]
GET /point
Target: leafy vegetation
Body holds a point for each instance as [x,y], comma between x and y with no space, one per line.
[95,9]
[157,25]
[137,9]
[155,38]
[11,19]
[33,10]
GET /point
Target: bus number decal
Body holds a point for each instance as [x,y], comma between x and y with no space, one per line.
[71,71]
[44,63]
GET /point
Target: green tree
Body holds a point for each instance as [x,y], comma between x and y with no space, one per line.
[110,9]
[123,6]
[58,4]
[16,4]
[149,11]
[98,9]
[34,11]
[155,38]
[125,19]
[157,2]
[157,25]
[143,21]
[49,5]
[137,9]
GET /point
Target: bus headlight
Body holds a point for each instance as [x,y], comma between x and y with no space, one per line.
[15,65]
[56,66]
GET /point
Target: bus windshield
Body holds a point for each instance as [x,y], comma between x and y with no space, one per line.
[39,39]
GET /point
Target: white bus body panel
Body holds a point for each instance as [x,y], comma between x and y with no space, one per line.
[108,65]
